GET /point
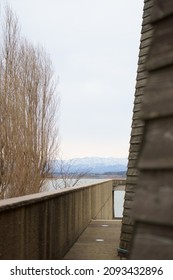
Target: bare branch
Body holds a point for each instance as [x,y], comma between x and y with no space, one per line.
[67,175]
[28,106]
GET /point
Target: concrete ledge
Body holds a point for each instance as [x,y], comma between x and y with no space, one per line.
[46,225]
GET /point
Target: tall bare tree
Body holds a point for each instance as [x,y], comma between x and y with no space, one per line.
[28,106]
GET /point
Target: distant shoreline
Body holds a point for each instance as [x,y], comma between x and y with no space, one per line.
[91,176]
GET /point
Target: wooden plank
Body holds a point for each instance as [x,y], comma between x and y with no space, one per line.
[142,59]
[129,196]
[132,163]
[141,75]
[146,20]
[141,68]
[137,107]
[158,91]
[124,244]
[127,212]
[163,33]
[127,228]
[153,201]
[128,204]
[128,220]
[152,242]
[161,10]
[139,92]
[137,116]
[147,11]
[135,139]
[131,180]
[131,187]
[137,123]
[135,147]
[145,44]
[126,236]
[146,28]
[157,149]
[137,131]
[144,51]
[146,1]
[138,99]
[133,155]
[148,4]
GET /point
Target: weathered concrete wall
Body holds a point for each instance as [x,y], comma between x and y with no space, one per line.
[45,225]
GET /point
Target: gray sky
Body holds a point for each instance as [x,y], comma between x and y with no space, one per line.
[94,48]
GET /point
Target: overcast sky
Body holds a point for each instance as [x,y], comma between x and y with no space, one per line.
[94,47]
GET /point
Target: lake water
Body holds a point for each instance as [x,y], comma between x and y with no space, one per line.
[55,184]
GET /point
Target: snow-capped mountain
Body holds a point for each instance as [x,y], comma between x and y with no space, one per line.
[101,165]
[95,165]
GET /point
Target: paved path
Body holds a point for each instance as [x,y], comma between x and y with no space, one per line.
[99,241]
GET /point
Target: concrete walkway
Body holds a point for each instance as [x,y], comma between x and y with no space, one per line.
[99,241]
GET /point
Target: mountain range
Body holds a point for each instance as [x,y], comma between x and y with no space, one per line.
[92,165]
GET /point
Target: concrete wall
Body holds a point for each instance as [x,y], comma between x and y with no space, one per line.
[45,225]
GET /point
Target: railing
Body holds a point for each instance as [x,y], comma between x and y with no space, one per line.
[46,225]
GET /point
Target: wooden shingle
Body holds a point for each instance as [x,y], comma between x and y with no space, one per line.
[153,205]
[152,242]
[137,131]
[162,9]
[157,148]
[158,91]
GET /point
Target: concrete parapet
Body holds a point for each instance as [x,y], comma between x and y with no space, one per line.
[46,225]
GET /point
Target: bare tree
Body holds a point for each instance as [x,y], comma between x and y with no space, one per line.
[67,174]
[28,106]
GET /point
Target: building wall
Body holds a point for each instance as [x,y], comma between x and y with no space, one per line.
[153,207]
[137,130]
